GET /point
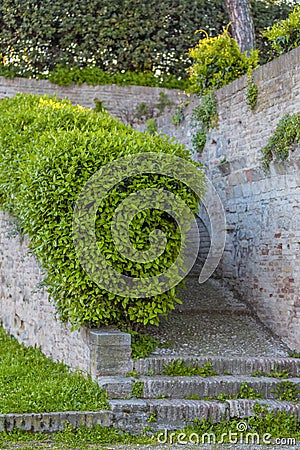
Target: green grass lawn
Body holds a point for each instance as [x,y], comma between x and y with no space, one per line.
[32,383]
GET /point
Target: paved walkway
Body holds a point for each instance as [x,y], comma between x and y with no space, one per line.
[212,321]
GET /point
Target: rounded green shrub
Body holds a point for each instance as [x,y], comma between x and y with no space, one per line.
[49,150]
[218,61]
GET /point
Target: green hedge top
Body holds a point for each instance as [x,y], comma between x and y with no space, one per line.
[115,36]
[49,149]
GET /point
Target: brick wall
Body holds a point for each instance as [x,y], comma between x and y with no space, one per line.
[24,307]
[120,101]
[262,255]
[27,314]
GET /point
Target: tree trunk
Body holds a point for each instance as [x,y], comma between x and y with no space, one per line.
[241,23]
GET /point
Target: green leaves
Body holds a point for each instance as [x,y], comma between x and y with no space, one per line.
[119,37]
[218,61]
[284,35]
[49,150]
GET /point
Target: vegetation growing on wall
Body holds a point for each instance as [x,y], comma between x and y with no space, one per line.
[251,91]
[205,118]
[117,37]
[285,138]
[218,61]
[49,149]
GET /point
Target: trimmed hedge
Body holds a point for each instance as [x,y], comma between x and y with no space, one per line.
[49,149]
[123,35]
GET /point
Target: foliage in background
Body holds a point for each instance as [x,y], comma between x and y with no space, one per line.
[284,35]
[117,37]
[49,149]
[32,383]
[285,138]
[64,76]
[218,61]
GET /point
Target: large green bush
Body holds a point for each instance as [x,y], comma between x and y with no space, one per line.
[49,149]
[120,35]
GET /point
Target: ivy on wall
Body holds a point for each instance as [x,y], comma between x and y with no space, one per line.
[284,140]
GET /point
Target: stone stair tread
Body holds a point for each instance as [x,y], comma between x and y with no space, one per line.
[214,378]
[187,386]
[176,387]
[177,413]
[144,402]
[233,364]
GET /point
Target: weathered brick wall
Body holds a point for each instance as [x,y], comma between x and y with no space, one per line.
[27,314]
[24,307]
[262,255]
[120,101]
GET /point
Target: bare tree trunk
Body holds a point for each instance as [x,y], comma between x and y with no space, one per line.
[241,23]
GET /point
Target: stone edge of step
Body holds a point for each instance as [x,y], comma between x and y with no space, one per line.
[133,415]
[235,365]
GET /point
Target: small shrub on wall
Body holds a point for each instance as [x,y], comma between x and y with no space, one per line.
[218,61]
[285,139]
[49,149]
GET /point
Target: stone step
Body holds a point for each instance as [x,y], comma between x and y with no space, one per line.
[185,387]
[222,365]
[136,414]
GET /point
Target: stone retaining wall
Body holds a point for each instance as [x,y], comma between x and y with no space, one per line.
[120,101]
[27,314]
[262,255]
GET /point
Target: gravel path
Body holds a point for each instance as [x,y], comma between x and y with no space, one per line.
[212,321]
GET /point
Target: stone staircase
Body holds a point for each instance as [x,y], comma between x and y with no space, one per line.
[211,326]
[172,402]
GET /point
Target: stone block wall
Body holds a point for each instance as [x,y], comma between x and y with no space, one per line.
[120,101]
[262,254]
[27,314]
